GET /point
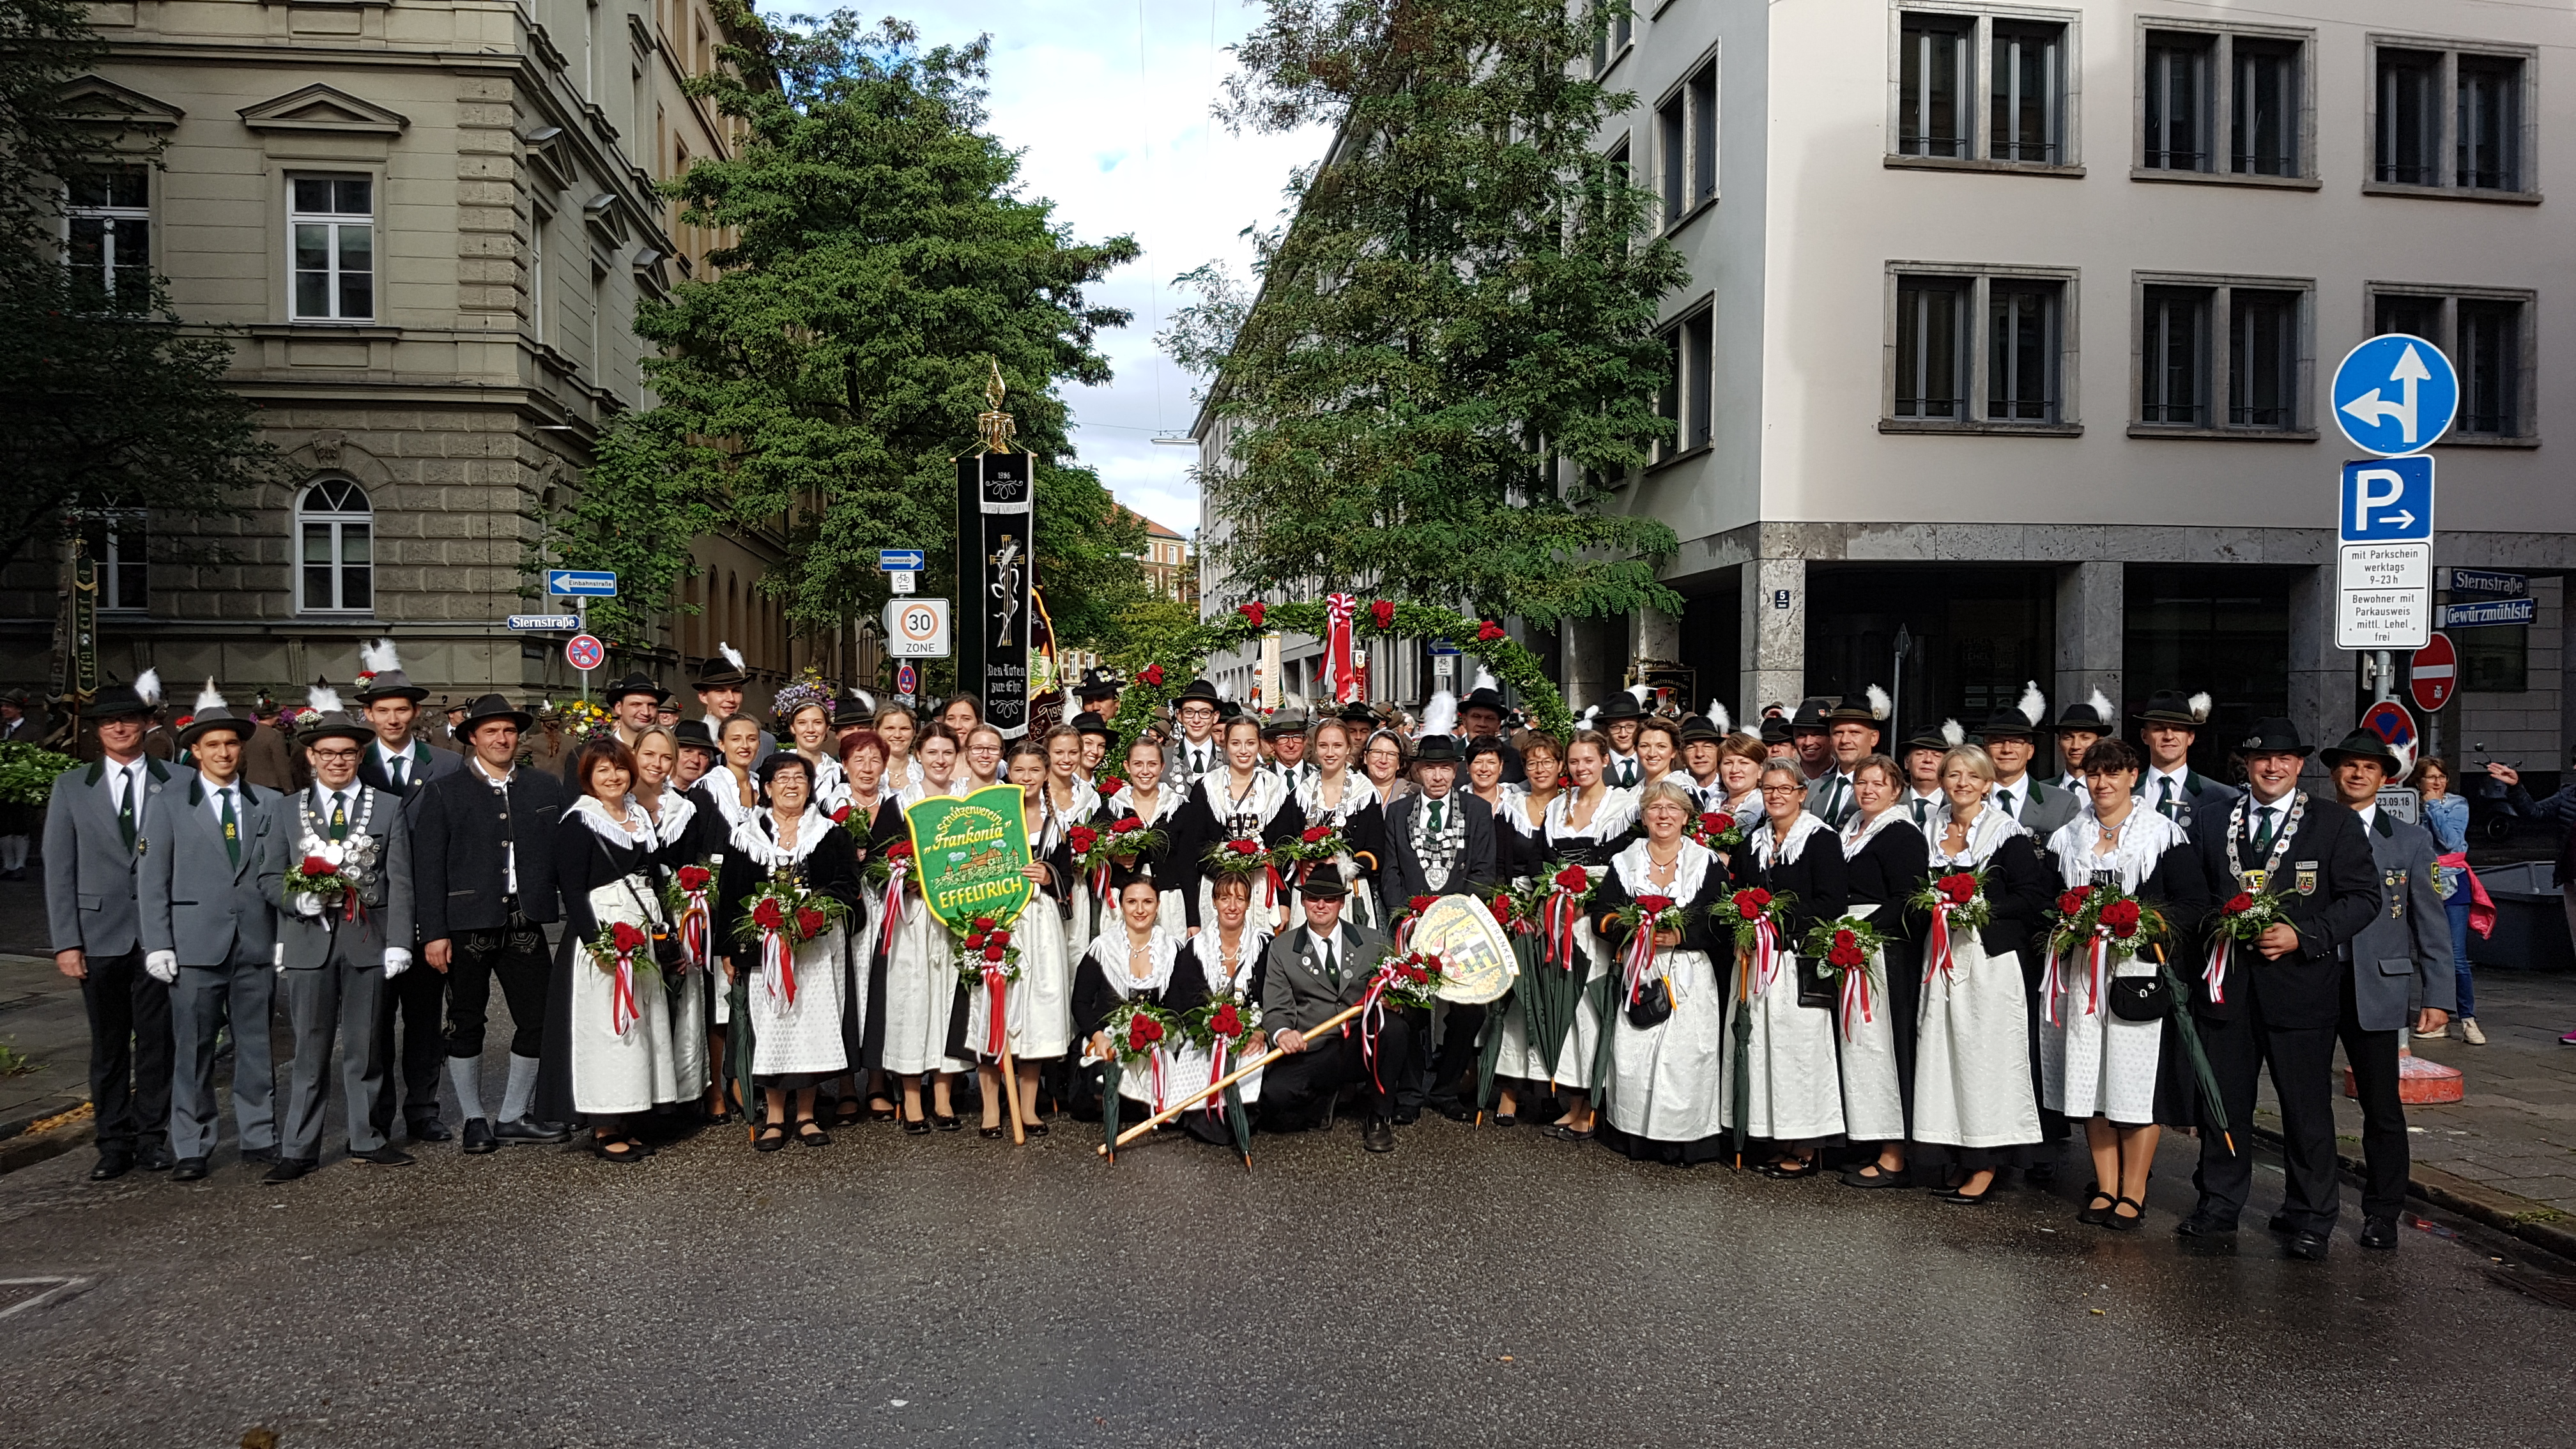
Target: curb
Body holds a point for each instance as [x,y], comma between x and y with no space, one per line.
[2506,1212]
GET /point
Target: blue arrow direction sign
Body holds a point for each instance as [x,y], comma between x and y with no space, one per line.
[2395,394]
[902,560]
[2388,500]
[581,583]
[2488,611]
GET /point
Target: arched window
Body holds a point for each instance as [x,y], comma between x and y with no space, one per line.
[335,548]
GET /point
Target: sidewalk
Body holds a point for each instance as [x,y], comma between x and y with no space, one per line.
[45,1072]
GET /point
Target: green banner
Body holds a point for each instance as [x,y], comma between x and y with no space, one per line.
[970,853]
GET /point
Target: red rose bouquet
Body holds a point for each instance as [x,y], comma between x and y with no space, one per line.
[1956,902]
[1641,919]
[1715,829]
[2242,920]
[2107,925]
[1847,950]
[781,916]
[987,951]
[1758,917]
[1248,856]
[1099,849]
[1411,979]
[1225,1026]
[1315,845]
[620,952]
[1568,892]
[688,900]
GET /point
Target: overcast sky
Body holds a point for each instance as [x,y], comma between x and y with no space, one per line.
[1108,103]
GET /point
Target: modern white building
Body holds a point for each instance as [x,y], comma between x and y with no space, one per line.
[2009,330]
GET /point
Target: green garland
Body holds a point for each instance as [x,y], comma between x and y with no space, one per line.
[27,773]
[1152,686]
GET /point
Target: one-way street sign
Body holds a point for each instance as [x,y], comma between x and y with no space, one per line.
[902,560]
[582,583]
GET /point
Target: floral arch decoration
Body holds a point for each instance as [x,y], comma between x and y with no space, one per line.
[1510,661]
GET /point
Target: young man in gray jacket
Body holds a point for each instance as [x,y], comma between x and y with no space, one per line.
[212,938]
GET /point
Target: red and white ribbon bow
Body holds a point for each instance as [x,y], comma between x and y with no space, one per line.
[996,1002]
[778,966]
[1856,998]
[1338,609]
[623,1009]
[894,906]
[2215,975]
[1939,958]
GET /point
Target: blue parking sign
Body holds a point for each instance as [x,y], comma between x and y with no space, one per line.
[2386,500]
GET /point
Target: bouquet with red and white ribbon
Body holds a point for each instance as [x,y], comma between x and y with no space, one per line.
[2242,919]
[687,901]
[1957,903]
[1405,979]
[1641,919]
[614,951]
[1413,909]
[1248,856]
[1757,916]
[1100,849]
[1220,1026]
[782,916]
[1314,846]
[1846,950]
[1569,891]
[888,870]
[1140,1031]
[989,959]
[1715,829]
[2108,925]
[334,870]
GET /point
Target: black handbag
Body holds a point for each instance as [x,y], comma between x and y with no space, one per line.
[1815,984]
[667,956]
[1653,1006]
[2141,998]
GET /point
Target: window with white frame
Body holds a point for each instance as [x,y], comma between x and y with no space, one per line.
[108,233]
[2450,118]
[2223,356]
[117,542]
[1978,349]
[1688,396]
[331,220]
[335,548]
[1686,137]
[2223,103]
[2487,335]
[1985,88]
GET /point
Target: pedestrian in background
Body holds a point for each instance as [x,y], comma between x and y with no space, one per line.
[2447,816]
[2559,813]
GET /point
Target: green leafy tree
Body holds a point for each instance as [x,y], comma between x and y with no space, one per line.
[1453,350]
[112,403]
[831,369]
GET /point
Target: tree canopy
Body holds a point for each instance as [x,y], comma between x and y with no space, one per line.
[830,370]
[1452,357]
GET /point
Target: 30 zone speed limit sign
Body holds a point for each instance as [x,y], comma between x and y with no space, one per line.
[917,628]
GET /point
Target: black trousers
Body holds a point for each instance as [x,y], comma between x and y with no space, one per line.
[417,999]
[2386,1158]
[1295,1090]
[1456,1056]
[129,1052]
[517,955]
[2301,1060]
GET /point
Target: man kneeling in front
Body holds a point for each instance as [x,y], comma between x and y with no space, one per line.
[1316,972]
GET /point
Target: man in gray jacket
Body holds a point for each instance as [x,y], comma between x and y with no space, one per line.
[209,934]
[93,837]
[338,947]
[1316,969]
[2402,958]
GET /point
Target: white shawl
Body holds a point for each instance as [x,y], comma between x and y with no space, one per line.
[2145,836]
[1766,846]
[1618,811]
[1986,833]
[756,839]
[1690,870]
[1110,952]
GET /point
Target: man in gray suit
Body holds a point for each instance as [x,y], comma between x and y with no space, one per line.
[2403,956]
[338,954]
[2010,742]
[1314,972]
[93,837]
[210,935]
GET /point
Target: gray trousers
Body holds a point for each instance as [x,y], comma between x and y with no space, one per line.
[340,999]
[201,1001]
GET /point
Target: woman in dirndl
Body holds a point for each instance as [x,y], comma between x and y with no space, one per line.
[1973,1102]
[2096,1066]
[1037,1009]
[1145,796]
[1668,1029]
[1224,959]
[1586,824]
[789,996]
[917,957]
[1239,801]
[1793,1096]
[1339,798]
[1883,856]
[1135,960]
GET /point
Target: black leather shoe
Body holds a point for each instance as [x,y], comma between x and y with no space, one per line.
[2379,1234]
[2204,1224]
[478,1137]
[188,1169]
[1407,1116]
[1378,1135]
[1452,1108]
[2309,1247]
[111,1165]
[432,1130]
[386,1156]
[528,1132]
[2280,1223]
[156,1158]
[289,1169]
[258,1154]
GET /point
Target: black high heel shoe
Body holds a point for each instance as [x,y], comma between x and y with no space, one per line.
[915,1127]
[2125,1224]
[946,1124]
[2097,1216]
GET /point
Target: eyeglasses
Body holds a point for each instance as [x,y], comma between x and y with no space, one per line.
[1784,789]
[322,754]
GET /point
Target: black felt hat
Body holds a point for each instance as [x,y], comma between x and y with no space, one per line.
[1096,685]
[1620,705]
[2169,707]
[1436,750]
[2275,735]
[1092,724]
[633,684]
[2363,745]
[492,707]
[1201,691]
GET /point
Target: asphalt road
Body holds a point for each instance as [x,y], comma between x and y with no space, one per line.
[1477,1288]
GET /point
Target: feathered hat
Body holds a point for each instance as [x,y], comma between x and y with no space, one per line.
[212,714]
[380,676]
[723,669]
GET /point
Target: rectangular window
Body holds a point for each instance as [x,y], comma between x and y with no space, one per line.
[2490,122]
[2410,118]
[1615,34]
[1703,131]
[2022,351]
[1932,78]
[2402,312]
[2029,92]
[2174,360]
[1668,401]
[109,239]
[2177,101]
[1672,135]
[1699,346]
[2490,364]
[117,541]
[332,222]
[537,274]
[1931,348]
[2263,129]
[2262,359]
[2495,658]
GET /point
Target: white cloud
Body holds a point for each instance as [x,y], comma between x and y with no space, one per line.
[1109,103]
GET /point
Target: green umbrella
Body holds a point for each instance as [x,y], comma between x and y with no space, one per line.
[1607,997]
[742,1046]
[2188,1031]
[1110,1072]
[1743,1074]
[1242,1124]
[1490,1054]
[1550,993]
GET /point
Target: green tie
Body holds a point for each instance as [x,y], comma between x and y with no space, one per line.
[394,772]
[339,816]
[232,827]
[1332,968]
[1435,817]
[125,809]
[2263,835]
[2165,796]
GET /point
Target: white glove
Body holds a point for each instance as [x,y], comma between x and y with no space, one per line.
[162,966]
[397,961]
[308,904]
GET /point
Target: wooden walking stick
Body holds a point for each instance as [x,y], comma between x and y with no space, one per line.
[1332,1023]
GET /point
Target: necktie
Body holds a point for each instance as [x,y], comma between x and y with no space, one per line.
[1435,817]
[1919,803]
[339,816]
[1332,967]
[2005,802]
[2263,833]
[125,809]
[394,772]
[1198,762]
[2165,796]
[232,827]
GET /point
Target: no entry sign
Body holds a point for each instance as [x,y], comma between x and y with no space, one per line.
[2433,674]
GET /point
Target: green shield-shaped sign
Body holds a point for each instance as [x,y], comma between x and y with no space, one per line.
[970,853]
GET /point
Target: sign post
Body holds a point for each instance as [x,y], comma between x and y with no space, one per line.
[996,567]
[582,586]
[2394,396]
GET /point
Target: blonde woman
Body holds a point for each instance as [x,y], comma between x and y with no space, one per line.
[1668,1032]
[1794,1098]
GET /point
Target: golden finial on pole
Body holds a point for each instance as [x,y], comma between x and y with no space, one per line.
[993,423]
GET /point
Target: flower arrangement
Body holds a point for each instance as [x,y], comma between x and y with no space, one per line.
[1312,847]
[334,871]
[1715,829]
[2105,923]
[1749,910]
[1641,918]
[807,688]
[1956,902]
[1411,979]
[585,719]
[1237,857]
[615,951]
[892,863]
[987,952]
[1223,1022]
[782,916]
[1138,1029]
[688,901]
[2242,920]
[1844,949]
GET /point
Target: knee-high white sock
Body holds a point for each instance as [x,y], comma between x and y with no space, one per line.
[466,1075]
[522,1089]
[13,852]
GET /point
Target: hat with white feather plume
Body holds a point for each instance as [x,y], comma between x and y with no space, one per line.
[723,669]
[212,714]
[380,675]
[328,719]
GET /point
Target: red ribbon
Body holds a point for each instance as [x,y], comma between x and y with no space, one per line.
[1939,958]
[1216,1074]
[694,923]
[1338,609]
[1640,955]
[1856,997]
[2099,951]
[623,1009]
[778,965]
[2215,976]
[1766,954]
[1558,915]
[996,998]
[1372,1022]
[893,908]
[2052,989]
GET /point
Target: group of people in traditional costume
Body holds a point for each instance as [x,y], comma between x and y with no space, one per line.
[1778,945]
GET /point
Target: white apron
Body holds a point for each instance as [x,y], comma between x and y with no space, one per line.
[1972,1084]
[2092,1063]
[1794,1086]
[801,1035]
[1191,1064]
[1037,1009]
[619,1072]
[1668,1080]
